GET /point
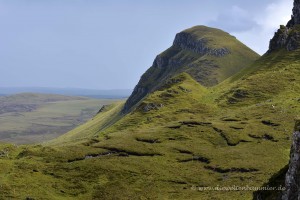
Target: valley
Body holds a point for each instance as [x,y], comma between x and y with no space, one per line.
[31,118]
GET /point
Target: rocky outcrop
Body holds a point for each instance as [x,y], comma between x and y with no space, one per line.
[296,15]
[160,61]
[186,41]
[292,178]
[288,36]
[138,93]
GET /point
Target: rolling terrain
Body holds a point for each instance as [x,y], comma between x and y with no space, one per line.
[31,118]
[177,137]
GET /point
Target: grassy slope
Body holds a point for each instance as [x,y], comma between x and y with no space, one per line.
[190,136]
[181,136]
[30,118]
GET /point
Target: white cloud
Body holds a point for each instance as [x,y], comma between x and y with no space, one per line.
[275,14]
[234,20]
[268,21]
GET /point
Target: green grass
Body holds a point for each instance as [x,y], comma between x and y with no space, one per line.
[180,137]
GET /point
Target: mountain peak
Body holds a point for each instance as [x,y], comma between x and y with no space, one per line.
[190,40]
[208,55]
[296,15]
[288,36]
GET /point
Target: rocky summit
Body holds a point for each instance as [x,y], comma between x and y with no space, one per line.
[288,36]
[296,15]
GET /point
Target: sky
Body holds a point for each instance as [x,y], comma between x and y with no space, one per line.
[109,44]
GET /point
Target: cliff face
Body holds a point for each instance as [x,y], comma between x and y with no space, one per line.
[209,55]
[185,41]
[296,15]
[292,178]
[288,36]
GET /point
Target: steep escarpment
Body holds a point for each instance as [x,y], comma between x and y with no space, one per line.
[186,41]
[292,177]
[288,36]
[209,55]
[296,15]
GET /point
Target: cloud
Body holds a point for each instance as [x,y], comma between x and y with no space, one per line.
[234,20]
[268,21]
[257,27]
[275,14]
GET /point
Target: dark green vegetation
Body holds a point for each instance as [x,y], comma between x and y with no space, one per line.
[209,55]
[179,137]
[31,118]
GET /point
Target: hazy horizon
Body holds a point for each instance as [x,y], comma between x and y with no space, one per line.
[110,44]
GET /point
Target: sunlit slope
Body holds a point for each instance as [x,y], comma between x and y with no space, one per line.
[274,75]
[180,137]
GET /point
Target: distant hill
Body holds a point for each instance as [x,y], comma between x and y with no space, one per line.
[100,94]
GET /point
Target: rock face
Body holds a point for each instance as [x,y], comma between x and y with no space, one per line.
[296,15]
[200,51]
[292,179]
[186,41]
[288,36]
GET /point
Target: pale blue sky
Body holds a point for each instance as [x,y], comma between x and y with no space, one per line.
[109,44]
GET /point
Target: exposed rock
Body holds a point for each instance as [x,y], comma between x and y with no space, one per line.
[186,41]
[296,15]
[292,178]
[151,106]
[138,93]
[160,61]
[102,109]
[287,36]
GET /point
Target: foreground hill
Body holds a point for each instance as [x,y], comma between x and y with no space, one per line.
[180,138]
[209,55]
[30,118]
